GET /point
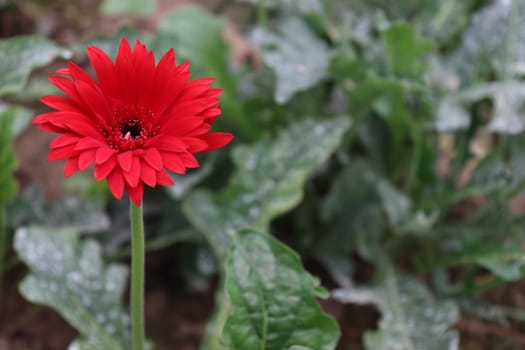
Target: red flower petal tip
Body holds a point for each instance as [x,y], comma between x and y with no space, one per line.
[136,121]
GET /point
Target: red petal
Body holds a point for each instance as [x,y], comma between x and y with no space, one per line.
[168,143]
[189,160]
[132,177]
[145,70]
[216,139]
[85,159]
[104,68]
[61,153]
[104,154]
[93,98]
[63,140]
[71,166]
[63,71]
[164,179]
[148,174]
[87,143]
[195,144]
[102,170]
[135,193]
[173,162]
[79,74]
[116,183]
[68,86]
[124,160]
[153,158]
[125,72]
[60,103]
[180,126]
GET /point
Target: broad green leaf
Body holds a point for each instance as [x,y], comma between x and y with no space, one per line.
[493,42]
[297,56]
[70,276]
[352,219]
[304,6]
[475,306]
[508,98]
[491,173]
[446,19]
[451,115]
[500,251]
[268,181]
[129,7]
[20,55]
[196,35]
[404,48]
[8,183]
[84,215]
[403,217]
[273,299]
[411,318]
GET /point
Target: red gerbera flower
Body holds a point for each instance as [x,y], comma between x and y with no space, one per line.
[135,121]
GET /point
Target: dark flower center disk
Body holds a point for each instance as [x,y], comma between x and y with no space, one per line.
[131,128]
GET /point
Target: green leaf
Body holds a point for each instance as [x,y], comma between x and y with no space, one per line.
[273,299]
[352,219]
[129,7]
[72,211]
[7,157]
[451,115]
[268,181]
[69,276]
[508,98]
[303,6]
[497,250]
[20,55]
[404,48]
[493,43]
[446,20]
[197,36]
[403,217]
[411,317]
[297,56]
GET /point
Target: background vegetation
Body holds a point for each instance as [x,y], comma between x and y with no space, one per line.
[382,141]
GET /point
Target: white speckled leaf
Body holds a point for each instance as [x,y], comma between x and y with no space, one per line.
[69,276]
[412,318]
[129,7]
[305,6]
[508,98]
[272,299]
[495,41]
[298,57]
[268,181]
[20,55]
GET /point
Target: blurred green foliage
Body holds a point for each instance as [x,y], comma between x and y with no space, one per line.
[363,131]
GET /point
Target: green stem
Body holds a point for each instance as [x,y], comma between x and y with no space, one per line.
[137,277]
[3,242]
[262,14]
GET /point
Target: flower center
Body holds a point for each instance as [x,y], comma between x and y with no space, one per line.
[131,127]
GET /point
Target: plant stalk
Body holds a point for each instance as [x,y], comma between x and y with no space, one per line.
[137,277]
[3,243]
